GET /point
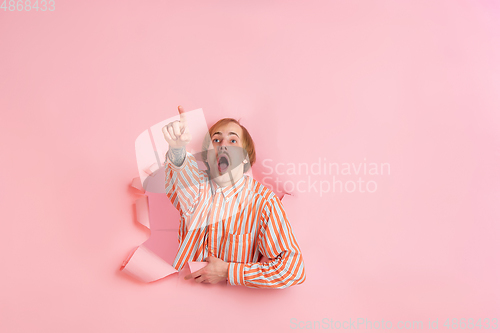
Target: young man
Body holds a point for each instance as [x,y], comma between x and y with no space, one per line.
[227,218]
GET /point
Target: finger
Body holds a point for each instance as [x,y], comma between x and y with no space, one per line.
[166,134]
[182,114]
[192,276]
[185,136]
[177,129]
[171,132]
[201,279]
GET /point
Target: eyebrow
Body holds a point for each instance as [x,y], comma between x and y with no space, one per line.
[230,133]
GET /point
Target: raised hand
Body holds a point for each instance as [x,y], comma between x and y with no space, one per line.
[177,132]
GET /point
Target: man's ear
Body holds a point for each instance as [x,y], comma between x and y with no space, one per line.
[246,164]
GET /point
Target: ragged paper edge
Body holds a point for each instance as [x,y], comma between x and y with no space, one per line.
[196,265]
[142,263]
[146,266]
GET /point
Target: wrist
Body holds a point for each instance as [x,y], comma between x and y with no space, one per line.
[226,270]
[176,155]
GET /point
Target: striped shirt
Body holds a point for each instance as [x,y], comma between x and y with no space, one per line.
[236,224]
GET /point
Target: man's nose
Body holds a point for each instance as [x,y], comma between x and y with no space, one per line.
[222,146]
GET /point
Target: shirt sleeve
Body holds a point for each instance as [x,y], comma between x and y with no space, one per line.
[182,184]
[277,242]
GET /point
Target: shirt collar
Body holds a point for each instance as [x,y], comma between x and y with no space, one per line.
[229,191]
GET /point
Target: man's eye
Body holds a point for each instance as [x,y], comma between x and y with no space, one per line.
[233,141]
[216,140]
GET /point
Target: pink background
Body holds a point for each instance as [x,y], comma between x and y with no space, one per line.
[411,83]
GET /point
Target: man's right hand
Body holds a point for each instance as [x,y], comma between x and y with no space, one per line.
[177,133]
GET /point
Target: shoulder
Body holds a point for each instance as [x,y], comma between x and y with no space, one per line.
[272,209]
[262,192]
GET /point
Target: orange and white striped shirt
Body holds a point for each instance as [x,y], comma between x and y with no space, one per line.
[236,224]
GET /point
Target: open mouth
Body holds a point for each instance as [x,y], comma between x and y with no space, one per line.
[222,163]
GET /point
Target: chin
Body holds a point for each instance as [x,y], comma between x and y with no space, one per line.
[226,176]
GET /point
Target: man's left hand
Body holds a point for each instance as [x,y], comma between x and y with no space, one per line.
[214,272]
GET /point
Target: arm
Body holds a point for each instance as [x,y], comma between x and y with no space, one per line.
[182,176]
[182,179]
[277,242]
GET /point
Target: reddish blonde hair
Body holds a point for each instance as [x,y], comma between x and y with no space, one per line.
[246,139]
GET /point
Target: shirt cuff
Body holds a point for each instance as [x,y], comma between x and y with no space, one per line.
[235,274]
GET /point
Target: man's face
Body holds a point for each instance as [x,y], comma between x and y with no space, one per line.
[226,153]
